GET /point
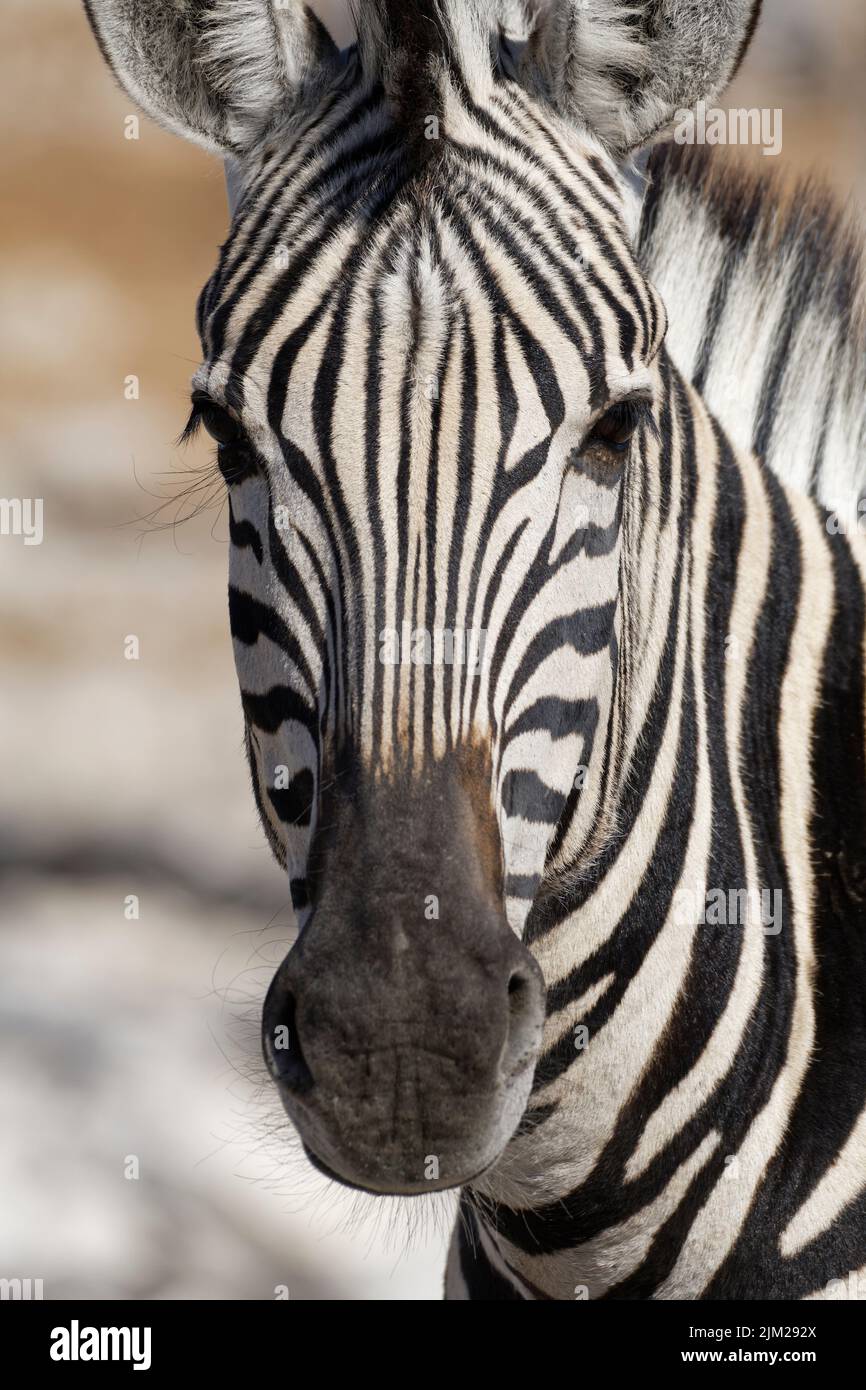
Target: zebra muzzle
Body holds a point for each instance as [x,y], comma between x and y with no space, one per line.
[403,1042]
[408,1079]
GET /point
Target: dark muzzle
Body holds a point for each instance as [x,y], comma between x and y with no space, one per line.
[403,1027]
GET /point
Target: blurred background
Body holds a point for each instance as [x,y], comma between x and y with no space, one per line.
[141,915]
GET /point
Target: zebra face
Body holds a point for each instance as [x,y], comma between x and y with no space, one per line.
[424,411]
[430,368]
[425,395]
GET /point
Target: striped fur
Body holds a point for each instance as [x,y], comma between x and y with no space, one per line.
[768,315]
[418,338]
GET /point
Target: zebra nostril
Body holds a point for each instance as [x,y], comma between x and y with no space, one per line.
[516,984]
[282,1046]
[524,1020]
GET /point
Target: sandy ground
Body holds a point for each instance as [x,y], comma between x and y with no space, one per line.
[127,1039]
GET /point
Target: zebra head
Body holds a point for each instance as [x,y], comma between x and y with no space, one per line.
[430,367]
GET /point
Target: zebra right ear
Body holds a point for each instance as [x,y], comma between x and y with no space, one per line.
[624,68]
[218,72]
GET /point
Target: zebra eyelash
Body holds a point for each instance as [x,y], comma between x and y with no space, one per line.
[201,406]
[191,428]
[642,415]
[235,459]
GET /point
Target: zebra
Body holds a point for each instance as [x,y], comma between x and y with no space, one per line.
[580,897]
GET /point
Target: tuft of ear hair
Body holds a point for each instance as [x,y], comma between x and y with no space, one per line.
[218,72]
[624,68]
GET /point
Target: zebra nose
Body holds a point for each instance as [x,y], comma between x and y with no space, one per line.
[523,988]
[423,1048]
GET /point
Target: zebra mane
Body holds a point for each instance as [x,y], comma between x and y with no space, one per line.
[405,43]
[765,291]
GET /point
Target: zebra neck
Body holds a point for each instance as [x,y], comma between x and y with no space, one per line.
[679,1035]
[766,305]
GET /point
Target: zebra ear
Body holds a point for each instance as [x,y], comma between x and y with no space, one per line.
[218,72]
[626,67]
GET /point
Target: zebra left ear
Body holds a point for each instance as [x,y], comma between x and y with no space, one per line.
[218,72]
[626,67]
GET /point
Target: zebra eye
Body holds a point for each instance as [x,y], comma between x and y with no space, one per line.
[615,428]
[235,455]
[218,423]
